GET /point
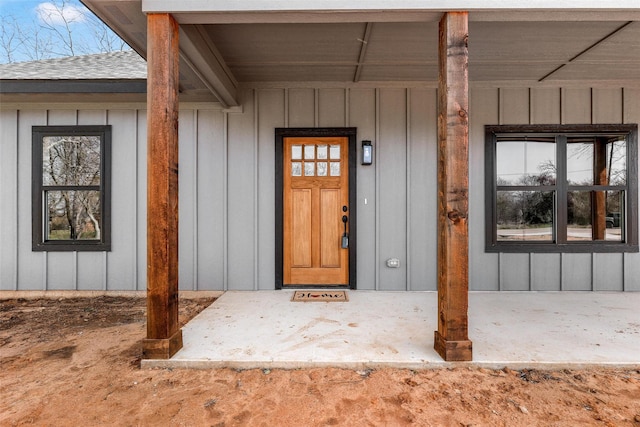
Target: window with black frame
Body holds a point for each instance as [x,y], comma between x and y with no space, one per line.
[564,188]
[71,188]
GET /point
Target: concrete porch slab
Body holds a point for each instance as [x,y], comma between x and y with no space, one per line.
[265,329]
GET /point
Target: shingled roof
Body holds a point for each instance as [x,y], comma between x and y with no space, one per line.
[122,65]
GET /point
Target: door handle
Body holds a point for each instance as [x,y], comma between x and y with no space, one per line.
[345,237]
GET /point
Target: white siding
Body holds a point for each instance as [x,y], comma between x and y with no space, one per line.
[32,266]
[363,113]
[9,196]
[90,271]
[271,107]
[631,114]
[484,274]
[227,207]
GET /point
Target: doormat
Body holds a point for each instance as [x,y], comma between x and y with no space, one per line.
[323,296]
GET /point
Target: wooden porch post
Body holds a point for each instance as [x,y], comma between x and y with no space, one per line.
[451,338]
[164,337]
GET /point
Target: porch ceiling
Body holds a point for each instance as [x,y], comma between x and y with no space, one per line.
[366,49]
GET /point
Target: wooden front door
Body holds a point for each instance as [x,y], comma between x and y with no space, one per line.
[315,211]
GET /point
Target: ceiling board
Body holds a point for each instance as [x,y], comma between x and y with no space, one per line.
[597,71]
[298,73]
[525,41]
[403,42]
[622,46]
[287,42]
[509,71]
[324,46]
[399,73]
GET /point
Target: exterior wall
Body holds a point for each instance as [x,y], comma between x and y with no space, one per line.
[536,271]
[120,269]
[227,209]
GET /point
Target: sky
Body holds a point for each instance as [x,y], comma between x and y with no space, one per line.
[39,10]
[33,16]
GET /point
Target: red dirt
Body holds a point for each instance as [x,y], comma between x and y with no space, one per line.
[73,362]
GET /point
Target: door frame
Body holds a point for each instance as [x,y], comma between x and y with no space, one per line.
[280,135]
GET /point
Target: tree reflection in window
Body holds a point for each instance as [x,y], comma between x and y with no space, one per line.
[559,188]
[72,161]
[71,189]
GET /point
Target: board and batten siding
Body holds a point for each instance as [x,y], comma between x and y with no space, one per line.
[543,271]
[227,194]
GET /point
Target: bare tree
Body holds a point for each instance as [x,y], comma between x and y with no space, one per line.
[9,40]
[72,165]
[58,28]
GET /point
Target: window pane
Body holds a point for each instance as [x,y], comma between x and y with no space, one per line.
[322,168]
[335,168]
[617,161]
[309,152]
[296,152]
[334,152]
[580,161]
[73,215]
[322,152]
[309,168]
[595,215]
[525,215]
[614,219]
[71,160]
[526,162]
[579,215]
[296,169]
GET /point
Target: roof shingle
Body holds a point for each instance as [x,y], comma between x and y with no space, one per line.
[112,65]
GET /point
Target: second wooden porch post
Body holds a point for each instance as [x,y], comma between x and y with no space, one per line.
[451,338]
[164,337]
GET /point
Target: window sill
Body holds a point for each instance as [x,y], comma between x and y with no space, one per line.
[71,247]
[593,247]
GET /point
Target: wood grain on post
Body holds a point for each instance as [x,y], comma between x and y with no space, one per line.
[164,337]
[451,338]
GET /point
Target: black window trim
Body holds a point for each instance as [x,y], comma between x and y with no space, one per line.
[631,189]
[39,243]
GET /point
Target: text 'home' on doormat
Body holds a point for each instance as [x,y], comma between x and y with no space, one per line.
[323,296]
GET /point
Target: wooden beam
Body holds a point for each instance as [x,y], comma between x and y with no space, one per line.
[164,337]
[363,51]
[203,57]
[451,338]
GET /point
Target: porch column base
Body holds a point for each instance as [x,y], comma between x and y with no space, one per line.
[452,351]
[162,348]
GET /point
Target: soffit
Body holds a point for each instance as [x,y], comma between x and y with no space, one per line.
[318,46]
[522,51]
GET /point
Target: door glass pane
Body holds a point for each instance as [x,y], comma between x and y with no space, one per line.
[335,169]
[296,169]
[580,161]
[525,162]
[309,168]
[334,152]
[322,168]
[525,215]
[309,152]
[322,152]
[296,152]
[71,160]
[73,215]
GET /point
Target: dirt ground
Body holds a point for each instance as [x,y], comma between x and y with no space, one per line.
[76,362]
